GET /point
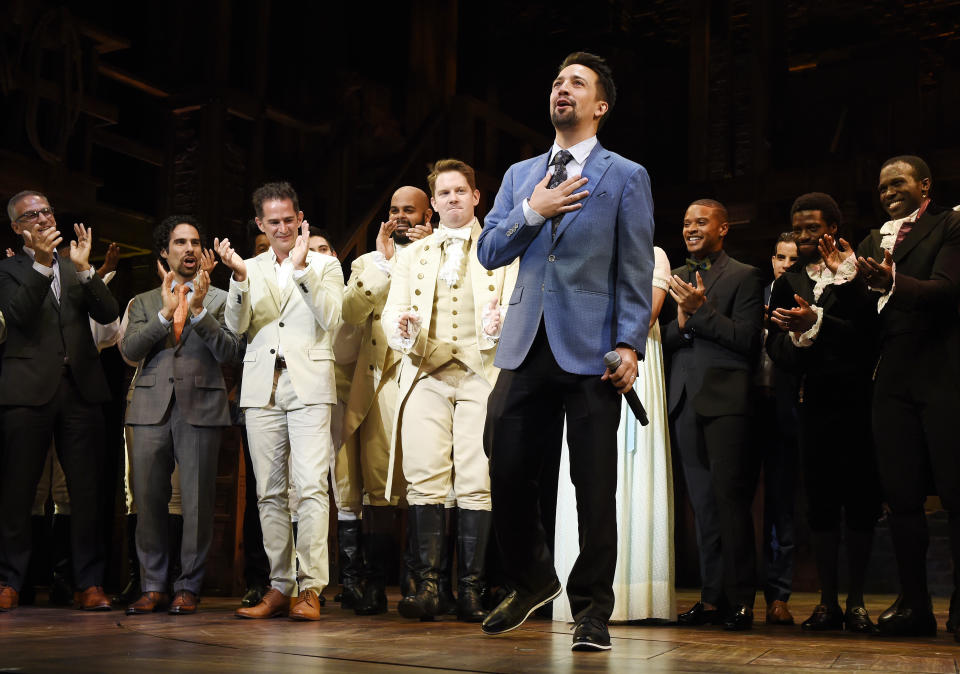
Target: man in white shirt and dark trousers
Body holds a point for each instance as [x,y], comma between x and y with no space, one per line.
[287,301]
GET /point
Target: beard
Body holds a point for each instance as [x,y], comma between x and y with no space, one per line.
[401,237]
[564,121]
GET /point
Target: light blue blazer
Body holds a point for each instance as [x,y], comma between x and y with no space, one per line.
[592,284]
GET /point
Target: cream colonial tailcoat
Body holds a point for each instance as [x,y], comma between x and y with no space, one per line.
[414,283]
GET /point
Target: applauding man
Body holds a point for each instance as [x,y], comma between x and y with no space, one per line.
[51,386]
[287,301]
[178,408]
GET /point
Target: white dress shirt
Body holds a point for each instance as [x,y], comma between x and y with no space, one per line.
[580,152]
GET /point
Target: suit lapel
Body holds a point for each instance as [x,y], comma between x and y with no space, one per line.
[265,261]
[598,161]
[918,232]
[716,271]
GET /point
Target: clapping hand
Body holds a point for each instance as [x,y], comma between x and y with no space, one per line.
[385,238]
[833,255]
[298,254]
[877,274]
[167,296]
[798,320]
[418,232]
[110,260]
[201,283]
[80,249]
[231,259]
[492,315]
[689,298]
[208,261]
[43,243]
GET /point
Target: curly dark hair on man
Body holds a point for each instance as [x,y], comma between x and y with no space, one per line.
[162,232]
[819,201]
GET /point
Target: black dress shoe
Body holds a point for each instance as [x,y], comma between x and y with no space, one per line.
[253,596]
[699,615]
[901,620]
[517,607]
[824,618]
[739,619]
[591,634]
[857,620]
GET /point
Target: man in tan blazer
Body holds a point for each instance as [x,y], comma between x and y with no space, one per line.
[368,424]
[443,315]
[287,301]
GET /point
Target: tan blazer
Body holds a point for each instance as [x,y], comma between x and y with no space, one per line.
[297,321]
[414,283]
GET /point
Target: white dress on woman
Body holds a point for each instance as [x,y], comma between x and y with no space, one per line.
[644,581]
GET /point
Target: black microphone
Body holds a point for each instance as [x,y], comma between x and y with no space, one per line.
[612,360]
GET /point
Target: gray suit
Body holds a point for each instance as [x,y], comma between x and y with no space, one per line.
[179,404]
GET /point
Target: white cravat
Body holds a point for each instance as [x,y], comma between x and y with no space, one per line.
[453,241]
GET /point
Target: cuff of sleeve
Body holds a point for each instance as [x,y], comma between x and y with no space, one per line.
[43,269]
[199,317]
[86,275]
[847,271]
[807,338]
[484,322]
[533,218]
[109,276]
[300,273]
[164,322]
[242,286]
[885,297]
[383,264]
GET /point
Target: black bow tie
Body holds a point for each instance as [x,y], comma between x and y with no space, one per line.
[698,265]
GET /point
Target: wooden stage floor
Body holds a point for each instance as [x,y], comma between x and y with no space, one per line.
[41,639]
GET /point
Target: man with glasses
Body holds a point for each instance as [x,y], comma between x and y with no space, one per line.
[51,387]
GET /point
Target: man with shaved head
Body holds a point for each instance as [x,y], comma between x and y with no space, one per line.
[368,424]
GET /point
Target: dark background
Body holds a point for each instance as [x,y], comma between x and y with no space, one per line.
[126,112]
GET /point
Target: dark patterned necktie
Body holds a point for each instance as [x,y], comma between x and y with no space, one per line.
[559,163]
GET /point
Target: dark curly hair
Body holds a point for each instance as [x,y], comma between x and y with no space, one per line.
[162,232]
[819,201]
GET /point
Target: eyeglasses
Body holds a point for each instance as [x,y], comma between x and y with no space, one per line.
[33,216]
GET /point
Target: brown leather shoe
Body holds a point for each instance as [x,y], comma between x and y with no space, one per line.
[307,606]
[9,598]
[184,603]
[779,614]
[148,602]
[274,603]
[94,599]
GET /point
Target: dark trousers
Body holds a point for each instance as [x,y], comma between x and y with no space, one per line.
[916,402]
[776,439]
[526,404]
[195,450]
[721,468]
[839,466]
[76,427]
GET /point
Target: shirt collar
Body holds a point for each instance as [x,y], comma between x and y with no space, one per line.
[33,254]
[189,284]
[580,151]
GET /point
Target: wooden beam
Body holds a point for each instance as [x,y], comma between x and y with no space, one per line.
[131,80]
[129,147]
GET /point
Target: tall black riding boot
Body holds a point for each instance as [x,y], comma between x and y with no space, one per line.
[473,537]
[351,562]
[448,603]
[378,524]
[131,592]
[61,582]
[408,577]
[425,604]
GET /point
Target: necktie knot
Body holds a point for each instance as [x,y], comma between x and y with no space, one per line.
[562,158]
[182,290]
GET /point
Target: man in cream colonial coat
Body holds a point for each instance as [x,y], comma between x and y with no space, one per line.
[368,423]
[443,314]
[287,301]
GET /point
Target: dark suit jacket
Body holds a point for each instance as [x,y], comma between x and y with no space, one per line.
[41,332]
[845,344]
[927,292]
[190,368]
[715,364]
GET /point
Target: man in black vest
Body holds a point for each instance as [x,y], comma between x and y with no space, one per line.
[713,344]
[51,387]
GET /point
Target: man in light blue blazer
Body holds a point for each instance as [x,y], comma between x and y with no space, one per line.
[580,218]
